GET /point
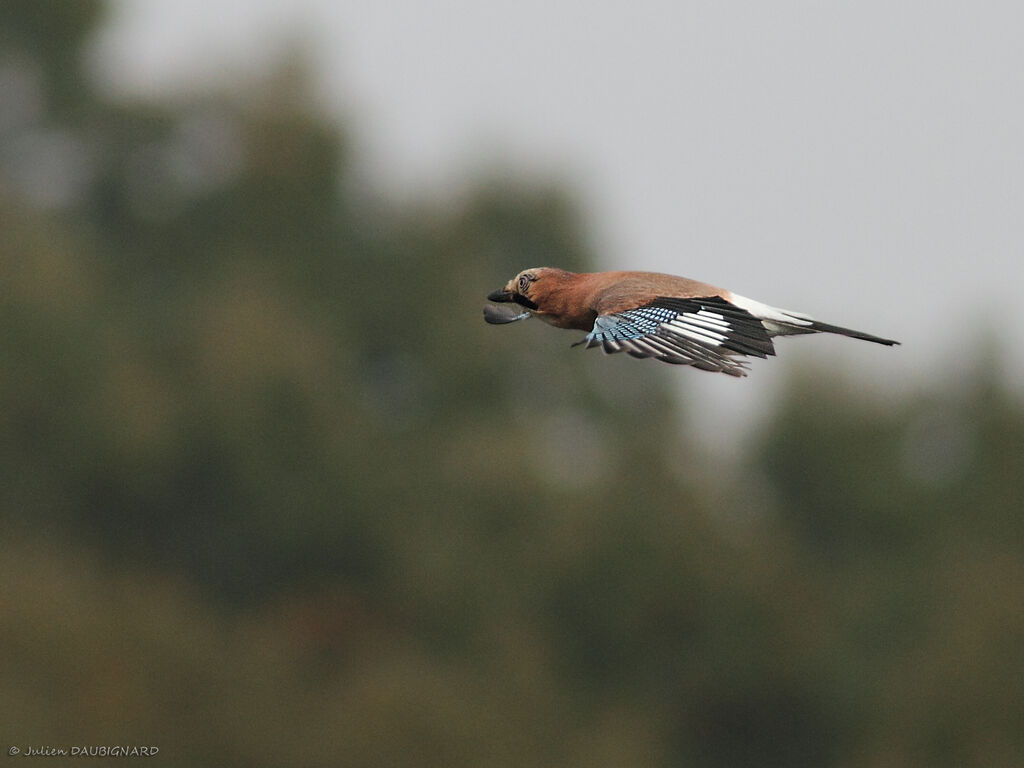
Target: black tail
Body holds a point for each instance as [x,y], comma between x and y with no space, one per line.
[826,328]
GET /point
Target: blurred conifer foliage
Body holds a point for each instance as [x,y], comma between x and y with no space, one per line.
[273,493]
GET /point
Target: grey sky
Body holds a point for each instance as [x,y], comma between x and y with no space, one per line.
[860,162]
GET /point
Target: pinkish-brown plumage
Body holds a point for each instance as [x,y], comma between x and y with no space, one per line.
[649,314]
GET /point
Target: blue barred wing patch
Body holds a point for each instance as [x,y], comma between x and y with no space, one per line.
[633,324]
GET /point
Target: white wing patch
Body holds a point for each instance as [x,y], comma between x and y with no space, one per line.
[779,321]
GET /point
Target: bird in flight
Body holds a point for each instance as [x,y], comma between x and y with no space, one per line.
[648,314]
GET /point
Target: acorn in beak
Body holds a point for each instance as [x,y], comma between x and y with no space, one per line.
[503,314]
[506,314]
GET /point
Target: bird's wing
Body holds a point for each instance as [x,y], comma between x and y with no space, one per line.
[707,333]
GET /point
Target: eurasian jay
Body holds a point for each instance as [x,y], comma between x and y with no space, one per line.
[648,314]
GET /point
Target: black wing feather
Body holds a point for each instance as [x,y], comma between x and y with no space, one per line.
[707,333]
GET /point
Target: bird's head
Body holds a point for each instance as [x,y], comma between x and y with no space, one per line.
[520,288]
[517,290]
[544,292]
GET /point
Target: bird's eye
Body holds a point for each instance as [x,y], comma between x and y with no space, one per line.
[524,283]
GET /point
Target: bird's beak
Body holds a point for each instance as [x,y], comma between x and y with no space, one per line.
[504,295]
[501,295]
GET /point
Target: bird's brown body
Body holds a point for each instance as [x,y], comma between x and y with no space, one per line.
[650,314]
[575,299]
